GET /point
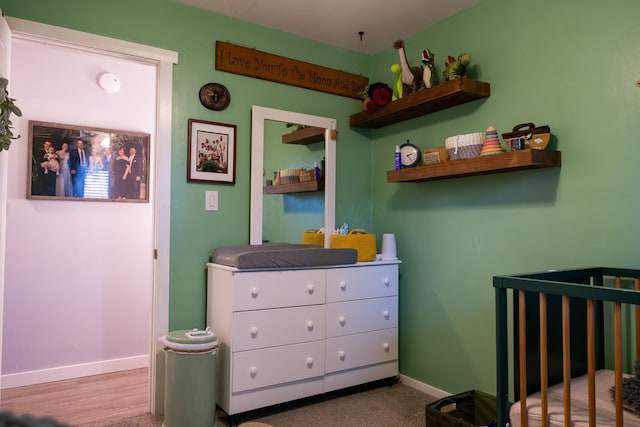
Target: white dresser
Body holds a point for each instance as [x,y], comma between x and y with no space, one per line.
[291,333]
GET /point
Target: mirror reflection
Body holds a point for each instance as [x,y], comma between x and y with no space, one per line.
[292,175]
[293,199]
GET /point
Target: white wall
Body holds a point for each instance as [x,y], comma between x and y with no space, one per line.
[78,287]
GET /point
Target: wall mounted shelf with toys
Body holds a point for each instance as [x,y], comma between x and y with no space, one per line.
[496,163]
[440,97]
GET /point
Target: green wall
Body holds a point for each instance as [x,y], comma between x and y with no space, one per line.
[193,33]
[572,65]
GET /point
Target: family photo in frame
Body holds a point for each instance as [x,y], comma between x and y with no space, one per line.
[69,162]
[212,152]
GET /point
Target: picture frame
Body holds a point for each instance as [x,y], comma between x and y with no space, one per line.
[212,152]
[86,163]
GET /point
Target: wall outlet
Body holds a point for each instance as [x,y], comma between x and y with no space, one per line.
[211,201]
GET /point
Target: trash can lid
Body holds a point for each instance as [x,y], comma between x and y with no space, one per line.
[191,339]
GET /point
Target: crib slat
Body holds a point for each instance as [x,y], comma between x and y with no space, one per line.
[566,359]
[544,363]
[617,357]
[591,362]
[636,283]
[522,334]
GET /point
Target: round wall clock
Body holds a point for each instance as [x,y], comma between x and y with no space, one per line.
[215,96]
[409,155]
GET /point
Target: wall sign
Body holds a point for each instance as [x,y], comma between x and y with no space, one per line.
[262,65]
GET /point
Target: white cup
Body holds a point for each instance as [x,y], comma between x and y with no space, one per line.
[389,246]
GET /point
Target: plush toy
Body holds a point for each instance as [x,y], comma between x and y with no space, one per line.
[455,68]
[429,75]
[411,76]
[377,95]
[397,83]
[630,391]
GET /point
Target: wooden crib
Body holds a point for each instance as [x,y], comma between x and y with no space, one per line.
[574,333]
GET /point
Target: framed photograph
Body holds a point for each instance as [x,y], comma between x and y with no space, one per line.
[69,162]
[212,152]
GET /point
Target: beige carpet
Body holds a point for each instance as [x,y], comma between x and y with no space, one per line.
[381,405]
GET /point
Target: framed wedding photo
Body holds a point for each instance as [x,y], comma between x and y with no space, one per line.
[212,152]
[69,162]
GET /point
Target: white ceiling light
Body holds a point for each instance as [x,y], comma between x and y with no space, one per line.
[110,83]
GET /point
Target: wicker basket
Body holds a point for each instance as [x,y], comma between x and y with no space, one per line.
[289,176]
[468,409]
[464,146]
[306,175]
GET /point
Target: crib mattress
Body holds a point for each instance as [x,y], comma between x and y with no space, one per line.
[282,255]
[605,409]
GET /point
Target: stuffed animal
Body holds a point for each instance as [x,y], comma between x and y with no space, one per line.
[455,68]
[630,391]
[376,95]
[429,76]
[411,76]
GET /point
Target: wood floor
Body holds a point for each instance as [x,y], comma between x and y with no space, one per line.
[83,401]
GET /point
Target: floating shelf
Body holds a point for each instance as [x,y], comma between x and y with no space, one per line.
[496,163]
[304,136]
[300,187]
[442,96]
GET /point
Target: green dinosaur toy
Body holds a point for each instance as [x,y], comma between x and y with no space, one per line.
[455,68]
[429,75]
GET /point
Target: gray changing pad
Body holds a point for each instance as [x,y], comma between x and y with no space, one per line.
[282,255]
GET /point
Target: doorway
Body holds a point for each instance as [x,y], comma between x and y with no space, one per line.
[57,213]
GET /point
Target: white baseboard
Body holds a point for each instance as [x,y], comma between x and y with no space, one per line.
[74,371]
[425,388]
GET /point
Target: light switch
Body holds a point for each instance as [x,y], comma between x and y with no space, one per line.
[211,201]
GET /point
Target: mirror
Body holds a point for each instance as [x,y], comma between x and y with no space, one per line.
[266,122]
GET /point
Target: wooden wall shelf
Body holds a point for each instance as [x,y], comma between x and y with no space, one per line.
[496,163]
[304,136]
[442,96]
[300,187]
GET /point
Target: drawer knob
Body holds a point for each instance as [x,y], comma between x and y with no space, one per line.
[386,346]
[253,371]
[342,320]
[342,354]
[310,362]
[386,314]
[311,288]
[387,282]
[254,292]
[254,331]
[310,325]
[343,285]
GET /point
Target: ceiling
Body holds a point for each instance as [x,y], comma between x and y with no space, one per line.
[339,22]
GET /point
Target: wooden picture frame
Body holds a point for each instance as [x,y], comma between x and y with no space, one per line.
[212,152]
[71,162]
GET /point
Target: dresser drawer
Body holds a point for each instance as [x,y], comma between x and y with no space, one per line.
[361,282]
[270,289]
[280,326]
[353,351]
[277,365]
[353,317]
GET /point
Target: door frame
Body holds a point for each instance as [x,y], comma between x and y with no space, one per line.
[164,61]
